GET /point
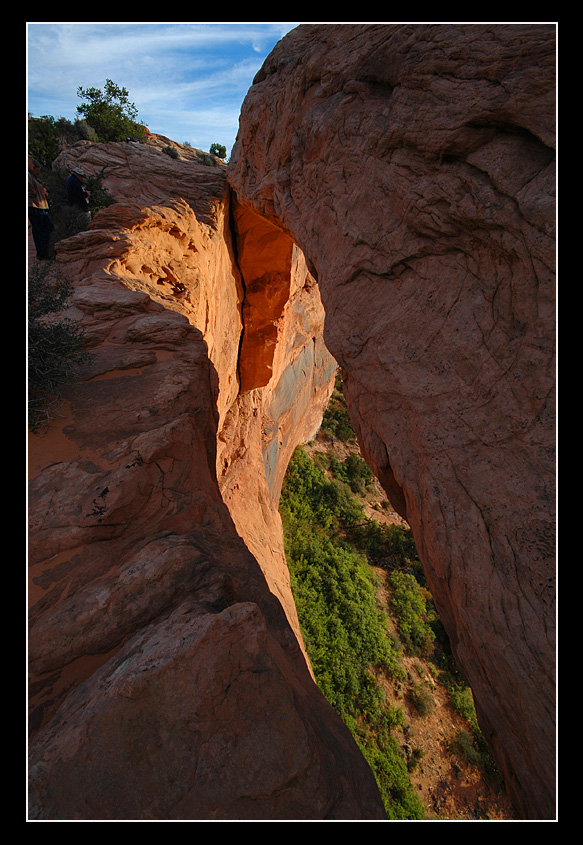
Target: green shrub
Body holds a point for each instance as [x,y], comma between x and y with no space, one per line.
[388,546]
[329,544]
[218,150]
[206,158]
[55,343]
[344,630]
[100,197]
[335,591]
[416,756]
[462,701]
[471,745]
[336,421]
[392,776]
[311,499]
[354,471]
[170,151]
[409,604]
[465,745]
[421,699]
[110,113]
[46,133]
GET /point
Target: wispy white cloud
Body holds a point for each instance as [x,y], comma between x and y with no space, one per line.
[187,80]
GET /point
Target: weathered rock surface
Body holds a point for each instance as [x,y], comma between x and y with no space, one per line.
[414,167]
[168,680]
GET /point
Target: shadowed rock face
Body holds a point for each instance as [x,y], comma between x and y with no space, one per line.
[414,167]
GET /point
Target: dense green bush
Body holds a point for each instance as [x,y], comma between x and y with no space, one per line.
[46,133]
[344,630]
[310,499]
[329,545]
[410,606]
[392,776]
[389,546]
[110,113]
[336,421]
[345,633]
[354,471]
[218,150]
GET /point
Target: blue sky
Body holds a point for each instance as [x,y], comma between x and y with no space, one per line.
[187,80]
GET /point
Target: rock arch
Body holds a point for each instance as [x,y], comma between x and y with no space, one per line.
[414,166]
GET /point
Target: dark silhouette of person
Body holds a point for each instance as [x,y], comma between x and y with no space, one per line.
[38,211]
[77,194]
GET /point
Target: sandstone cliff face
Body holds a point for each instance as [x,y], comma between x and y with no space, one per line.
[168,680]
[414,167]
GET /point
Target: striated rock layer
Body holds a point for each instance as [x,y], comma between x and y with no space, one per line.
[167,675]
[414,167]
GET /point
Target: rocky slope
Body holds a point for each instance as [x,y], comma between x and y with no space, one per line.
[167,679]
[414,166]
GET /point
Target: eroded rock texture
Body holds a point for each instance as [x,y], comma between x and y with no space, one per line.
[167,678]
[414,167]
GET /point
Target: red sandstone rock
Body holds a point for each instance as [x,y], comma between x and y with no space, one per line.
[168,680]
[286,378]
[414,167]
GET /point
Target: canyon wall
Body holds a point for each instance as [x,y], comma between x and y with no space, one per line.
[167,675]
[414,167]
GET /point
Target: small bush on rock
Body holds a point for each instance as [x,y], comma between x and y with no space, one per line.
[218,150]
[55,343]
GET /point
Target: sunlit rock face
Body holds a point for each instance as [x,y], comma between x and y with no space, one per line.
[414,165]
[168,679]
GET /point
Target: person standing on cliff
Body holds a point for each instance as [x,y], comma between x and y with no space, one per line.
[38,211]
[78,195]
